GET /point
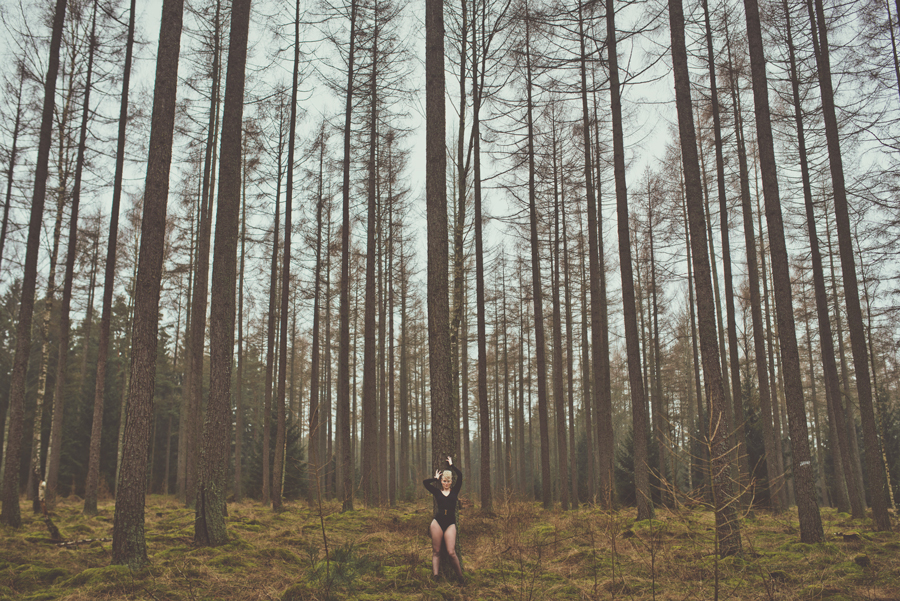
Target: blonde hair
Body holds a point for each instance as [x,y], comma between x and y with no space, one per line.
[447,474]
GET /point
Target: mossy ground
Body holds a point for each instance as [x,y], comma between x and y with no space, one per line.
[520,552]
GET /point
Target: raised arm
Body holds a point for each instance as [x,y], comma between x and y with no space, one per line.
[458,473]
[428,483]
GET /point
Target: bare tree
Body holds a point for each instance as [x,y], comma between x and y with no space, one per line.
[807,507]
[129,546]
[209,524]
[10,512]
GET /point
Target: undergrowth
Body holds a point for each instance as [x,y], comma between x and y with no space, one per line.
[520,552]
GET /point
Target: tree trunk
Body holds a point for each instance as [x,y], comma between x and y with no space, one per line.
[90,494]
[740,442]
[192,427]
[239,393]
[54,446]
[808,510]
[10,514]
[874,466]
[728,536]
[209,524]
[537,296]
[484,431]
[600,396]
[638,404]
[844,468]
[343,396]
[559,393]
[286,277]
[443,441]
[129,546]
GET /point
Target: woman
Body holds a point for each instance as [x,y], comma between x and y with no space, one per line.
[443,526]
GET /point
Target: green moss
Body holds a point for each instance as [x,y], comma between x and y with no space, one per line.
[231,562]
[114,574]
[649,525]
[296,592]
[280,554]
[34,575]
[41,596]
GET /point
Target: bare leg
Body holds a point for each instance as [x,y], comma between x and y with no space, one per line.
[450,538]
[436,536]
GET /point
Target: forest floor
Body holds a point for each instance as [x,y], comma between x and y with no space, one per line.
[519,552]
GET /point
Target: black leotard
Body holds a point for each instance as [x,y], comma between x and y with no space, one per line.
[445,514]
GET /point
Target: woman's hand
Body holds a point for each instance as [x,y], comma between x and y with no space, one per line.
[437,474]
[449,461]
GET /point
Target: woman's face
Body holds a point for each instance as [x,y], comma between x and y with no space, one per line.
[446,482]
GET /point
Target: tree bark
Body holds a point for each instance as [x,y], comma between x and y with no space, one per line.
[874,467]
[129,546]
[209,524]
[54,446]
[728,536]
[191,429]
[343,396]
[10,514]
[484,430]
[844,468]
[638,404]
[442,410]
[807,507]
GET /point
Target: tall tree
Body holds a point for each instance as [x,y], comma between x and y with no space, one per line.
[209,525]
[600,392]
[10,514]
[536,285]
[874,467]
[487,503]
[343,396]
[129,546]
[759,350]
[728,534]
[443,442]
[807,507]
[54,447]
[740,443]
[370,463]
[192,414]
[841,450]
[638,405]
[286,272]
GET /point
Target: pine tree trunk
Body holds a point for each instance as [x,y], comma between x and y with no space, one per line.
[239,382]
[442,410]
[841,452]
[194,414]
[737,413]
[558,366]
[209,524]
[10,514]
[280,399]
[728,536]
[129,546]
[537,292]
[808,510]
[484,431]
[343,396]
[600,396]
[874,466]
[93,475]
[638,406]
[54,445]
